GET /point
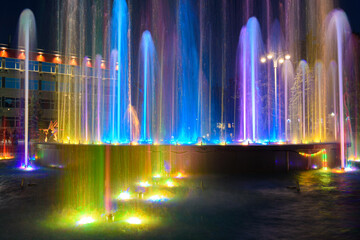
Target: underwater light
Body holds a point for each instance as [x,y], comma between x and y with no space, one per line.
[27,168]
[85,220]
[157,198]
[157,176]
[124,196]
[144,184]
[134,220]
[349,169]
[170,183]
[179,175]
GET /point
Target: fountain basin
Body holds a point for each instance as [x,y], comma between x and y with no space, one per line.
[144,160]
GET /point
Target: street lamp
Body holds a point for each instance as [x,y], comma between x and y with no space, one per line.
[278,58]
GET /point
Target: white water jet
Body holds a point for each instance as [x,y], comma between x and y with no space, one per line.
[27,40]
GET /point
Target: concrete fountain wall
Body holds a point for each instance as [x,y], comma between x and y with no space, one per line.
[210,159]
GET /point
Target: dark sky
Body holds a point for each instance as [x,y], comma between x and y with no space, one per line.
[44,11]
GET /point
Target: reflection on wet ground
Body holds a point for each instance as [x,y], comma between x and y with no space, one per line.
[250,206]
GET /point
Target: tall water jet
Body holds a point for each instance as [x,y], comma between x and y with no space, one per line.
[147,84]
[288,78]
[303,71]
[275,45]
[27,42]
[99,98]
[188,73]
[338,29]
[252,107]
[120,42]
[241,88]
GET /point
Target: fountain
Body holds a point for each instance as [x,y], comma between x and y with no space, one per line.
[136,97]
[146,104]
[27,43]
[338,28]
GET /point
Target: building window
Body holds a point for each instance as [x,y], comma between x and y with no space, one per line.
[47,86]
[12,83]
[64,69]
[48,67]
[12,63]
[34,85]
[47,104]
[33,66]
[8,102]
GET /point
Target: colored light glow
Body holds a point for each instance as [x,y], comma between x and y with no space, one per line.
[134,143]
[6,157]
[350,169]
[3,53]
[22,55]
[314,167]
[57,59]
[88,63]
[223,143]
[245,143]
[73,61]
[338,171]
[85,220]
[157,198]
[134,220]
[103,66]
[40,58]
[27,168]
[144,184]
[124,196]
[179,175]
[269,56]
[263,60]
[157,176]
[281,60]
[287,56]
[170,183]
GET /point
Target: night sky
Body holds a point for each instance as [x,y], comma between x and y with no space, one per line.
[44,11]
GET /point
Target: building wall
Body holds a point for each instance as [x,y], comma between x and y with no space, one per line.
[42,101]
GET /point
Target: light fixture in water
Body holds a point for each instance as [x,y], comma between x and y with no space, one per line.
[85,220]
[157,198]
[27,168]
[124,196]
[134,220]
[170,183]
[144,184]
[349,169]
[179,175]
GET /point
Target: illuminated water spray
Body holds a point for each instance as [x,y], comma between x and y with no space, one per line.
[188,115]
[120,30]
[147,80]
[338,29]
[248,80]
[27,41]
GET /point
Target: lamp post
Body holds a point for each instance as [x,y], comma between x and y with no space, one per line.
[278,58]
